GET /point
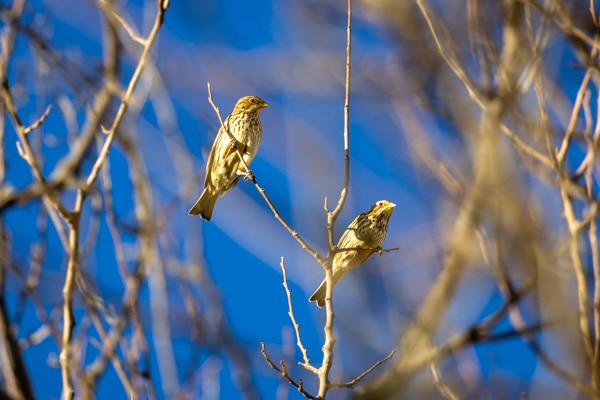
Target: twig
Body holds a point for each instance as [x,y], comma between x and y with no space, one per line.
[15,375]
[524,147]
[448,56]
[566,142]
[132,34]
[39,121]
[73,218]
[344,193]
[331,218]
[446,391]
[160,15]
[354,381]
[578,268]
[283,372]
[461,73]
[24,147]
[306,364]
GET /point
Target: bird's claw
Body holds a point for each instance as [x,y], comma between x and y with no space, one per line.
[378,250]
[249,176]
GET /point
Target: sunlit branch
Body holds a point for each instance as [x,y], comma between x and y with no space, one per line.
[330,339]
[306,364]
[350,384]
[282,369]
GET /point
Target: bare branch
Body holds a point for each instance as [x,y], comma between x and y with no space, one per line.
[444,389]
[282,369]
[306,364]
[128,28]
[330,340]
[350,384]
[126,98]
[39,122]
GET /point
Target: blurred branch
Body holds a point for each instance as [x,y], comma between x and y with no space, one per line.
[581,104]
[12,366]
[111,132]
[66,353]
[25,149]
[417,343]
[109,7]
[443,388]
[39,122]
[448,51]
[73,218]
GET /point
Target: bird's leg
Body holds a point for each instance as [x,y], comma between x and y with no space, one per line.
[378,250]
[248,175]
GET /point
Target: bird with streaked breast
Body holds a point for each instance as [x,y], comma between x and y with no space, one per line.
[363,237]
[224,167]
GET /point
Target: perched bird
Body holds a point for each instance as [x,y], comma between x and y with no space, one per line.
[224,166]
[363,237]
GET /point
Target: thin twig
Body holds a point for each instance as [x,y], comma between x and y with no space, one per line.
[39,121]
[566,142]
[446,391]
[283,372]
[306,364]
[130,31]
[461,73]
[344,193]
[25,149]
[450,58]
[160,15]
[354,381]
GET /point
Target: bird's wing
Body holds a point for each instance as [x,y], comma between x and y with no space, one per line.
[223,162]
[350,240]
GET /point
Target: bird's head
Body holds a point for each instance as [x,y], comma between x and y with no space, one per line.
[382,208]
[250,104]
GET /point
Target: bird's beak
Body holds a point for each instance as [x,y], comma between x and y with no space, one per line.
[264,104]
[390,205]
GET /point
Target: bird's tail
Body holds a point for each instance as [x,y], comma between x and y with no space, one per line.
[205,204]
[319,295]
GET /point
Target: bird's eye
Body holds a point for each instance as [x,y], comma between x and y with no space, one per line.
[253,100]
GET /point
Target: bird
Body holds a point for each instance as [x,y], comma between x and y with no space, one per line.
[224,167]
[363,237]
